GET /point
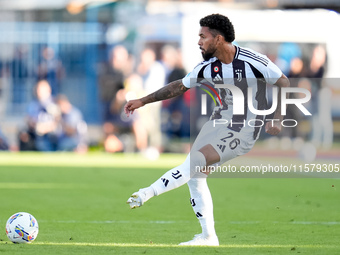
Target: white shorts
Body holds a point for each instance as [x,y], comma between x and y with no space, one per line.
[228,143]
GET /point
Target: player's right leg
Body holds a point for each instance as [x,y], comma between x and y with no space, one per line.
[172,179]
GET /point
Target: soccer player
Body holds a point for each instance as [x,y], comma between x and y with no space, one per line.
[223,62]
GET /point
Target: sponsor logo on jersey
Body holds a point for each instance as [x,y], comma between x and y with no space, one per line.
[217,78]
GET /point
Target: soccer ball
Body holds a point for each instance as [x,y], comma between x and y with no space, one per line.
[22,227]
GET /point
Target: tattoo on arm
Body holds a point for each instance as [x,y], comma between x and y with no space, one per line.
[171,90]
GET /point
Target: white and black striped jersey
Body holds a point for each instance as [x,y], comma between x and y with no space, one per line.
[248,69]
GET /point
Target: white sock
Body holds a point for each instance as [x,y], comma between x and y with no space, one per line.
[177,176]
[172,179]
[202,204]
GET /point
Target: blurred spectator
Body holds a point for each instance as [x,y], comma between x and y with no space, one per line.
[111,80]
[286,52]
[172,61]
[322,126]
[317,63]
[134,89]
[297,74]
[153,75]
[51,69]
[169,59]
[3,142]
[177,111]
[112,76]
[41,131]
[72,128]
[19,74]
[297,68]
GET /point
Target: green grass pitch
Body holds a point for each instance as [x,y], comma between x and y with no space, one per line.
[79,202]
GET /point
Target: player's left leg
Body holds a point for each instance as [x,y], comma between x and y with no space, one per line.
[175,177]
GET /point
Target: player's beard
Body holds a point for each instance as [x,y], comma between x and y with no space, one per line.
[208,54]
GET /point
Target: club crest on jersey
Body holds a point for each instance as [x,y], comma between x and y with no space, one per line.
[216,69]
[238,73]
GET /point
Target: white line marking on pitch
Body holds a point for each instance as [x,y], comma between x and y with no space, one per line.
[175,245]
[186,222]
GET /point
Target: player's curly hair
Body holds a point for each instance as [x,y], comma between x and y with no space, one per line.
[219,24]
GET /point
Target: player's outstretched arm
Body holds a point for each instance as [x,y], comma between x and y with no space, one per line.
[171,90]
[274,128]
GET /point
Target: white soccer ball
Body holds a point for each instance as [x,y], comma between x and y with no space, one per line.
[22,227]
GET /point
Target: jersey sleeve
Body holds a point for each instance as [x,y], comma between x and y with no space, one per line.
[190,80]
[272,73]
[262,63]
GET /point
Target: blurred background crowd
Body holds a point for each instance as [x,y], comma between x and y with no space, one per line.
[68,67]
